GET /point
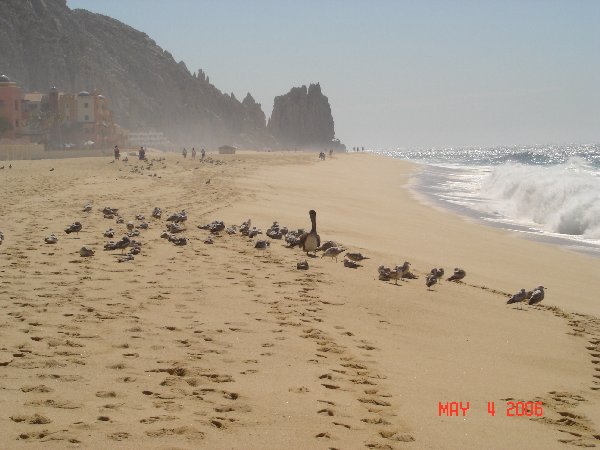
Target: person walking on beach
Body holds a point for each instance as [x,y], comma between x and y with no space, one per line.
[193,152]
[202,153]
[184,152]
[117,152]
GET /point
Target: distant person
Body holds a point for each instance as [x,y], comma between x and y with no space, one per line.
[363,149]
[193,152]
[202,153]
[184,152]
[330,152]
[117,152]
[142,153]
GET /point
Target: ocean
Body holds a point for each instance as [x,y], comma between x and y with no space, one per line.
[548,193]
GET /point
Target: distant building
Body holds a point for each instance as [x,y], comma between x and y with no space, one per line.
[11,107]
[153,139]
[226,150]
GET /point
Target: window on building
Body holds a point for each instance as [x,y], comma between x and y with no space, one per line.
[85,105]
[87,117]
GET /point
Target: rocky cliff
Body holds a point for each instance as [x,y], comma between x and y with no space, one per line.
[302,118]
[43,43]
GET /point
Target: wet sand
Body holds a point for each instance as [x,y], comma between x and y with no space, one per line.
[224,346]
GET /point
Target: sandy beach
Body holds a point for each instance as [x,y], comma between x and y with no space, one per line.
[224,346]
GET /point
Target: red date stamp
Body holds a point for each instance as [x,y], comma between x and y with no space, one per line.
[513,409]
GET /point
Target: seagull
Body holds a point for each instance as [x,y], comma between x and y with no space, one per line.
[430,281]
[52,239]
[537,296]
[438,273]
[333,252]
[459,274]
[130,225]
[75,227]
[156,213]
[355,256]
[87,207]
[327,244]
[519,297]
[351,264]
[86,251]
[302,265]
[310,241]
[404,270]
[1,237]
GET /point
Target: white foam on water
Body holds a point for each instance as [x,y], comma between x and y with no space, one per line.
[563,199]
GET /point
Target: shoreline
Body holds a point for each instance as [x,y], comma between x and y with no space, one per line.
[224,346]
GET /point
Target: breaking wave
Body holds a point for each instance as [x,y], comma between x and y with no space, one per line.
[563,198]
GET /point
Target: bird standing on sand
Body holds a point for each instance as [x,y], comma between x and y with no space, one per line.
[430,281]
[1,237]
[537,295]
[75,227]
[310,241]
[519,297]
[438,273]
[357,257]
[459,274]
[333,252]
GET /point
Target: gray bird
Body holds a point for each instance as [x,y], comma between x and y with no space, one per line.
[537,295]
[519,297]
[86,251]
[430,280]
[75,227]
[403,270]
[302,265]
[438,273]
[459,274]
[355,256]
[262,244]
[1,237]
[52,239]
[333,252]
[351,264]
[87,207]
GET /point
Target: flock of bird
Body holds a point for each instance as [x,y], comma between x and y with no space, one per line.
[309,242]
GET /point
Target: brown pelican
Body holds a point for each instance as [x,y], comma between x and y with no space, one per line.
[537,296]
[459,274]
[310,241]
[333,252]
[519,297]
[355,256]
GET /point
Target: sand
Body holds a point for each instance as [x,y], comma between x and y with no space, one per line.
[225,346]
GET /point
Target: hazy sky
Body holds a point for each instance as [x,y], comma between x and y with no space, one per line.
[398,73]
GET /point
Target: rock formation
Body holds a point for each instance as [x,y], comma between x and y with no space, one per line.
[302,119]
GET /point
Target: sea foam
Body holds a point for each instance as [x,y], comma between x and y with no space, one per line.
[563,198]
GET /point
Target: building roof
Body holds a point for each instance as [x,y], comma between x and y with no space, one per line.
[83,94]
[4,79]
